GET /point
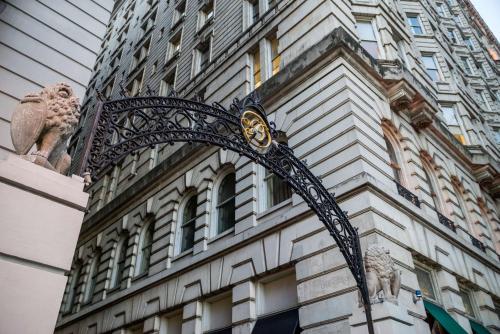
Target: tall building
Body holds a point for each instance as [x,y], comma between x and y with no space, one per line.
[395,105]
[45,42]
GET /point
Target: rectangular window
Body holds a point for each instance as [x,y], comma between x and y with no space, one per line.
[449,115]
[174,46]
[467,65]
[431,67]
[202,56]
[426,282]
[440,9]
[206,14]
[167,84]
[255,10]
[415,24]
[469,42]
[108,90]
[275,56]
[457,20]
[257,76]
[217,313]
[452,122]
[467,301]
[368,39]
[179,13]
[135,86]
[277,190]
[452,36]
[483,99]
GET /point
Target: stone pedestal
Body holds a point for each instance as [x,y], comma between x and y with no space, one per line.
[41,213]
[387,318]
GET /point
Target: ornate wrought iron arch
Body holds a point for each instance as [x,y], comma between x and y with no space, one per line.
[126,125]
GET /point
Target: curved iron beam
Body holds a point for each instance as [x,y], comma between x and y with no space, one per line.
[126,125]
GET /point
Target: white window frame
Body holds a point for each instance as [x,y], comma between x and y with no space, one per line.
[140,245]
[436,63]
[371,20]
[180,222]
[214,212]
[417,16]
[434,282]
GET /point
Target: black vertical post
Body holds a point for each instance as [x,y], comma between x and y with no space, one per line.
[82,166]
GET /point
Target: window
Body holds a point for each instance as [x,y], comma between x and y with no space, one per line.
[167,84]
[275,56]
[257,76]
[452,36]
[367,36]
[92,278]
[202,56]
[401,50]
[440,9]
[108,90]
[415,24]
[449,115]
[484,70]
[431,68]
[71,301]
[171,324]
[225,203]
[254,5]
[274,189]
[174,46]
[470,43]
[467,301]
[149,24]
[396,169]
[185,232]
[277,309]
[135,86]
[457,20]
[145,246]
[426,282]
[467,65]
[217,314]
[179,13]
[206,14]
[483,100]
[119,262]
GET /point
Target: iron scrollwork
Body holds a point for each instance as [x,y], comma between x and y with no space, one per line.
[128,124]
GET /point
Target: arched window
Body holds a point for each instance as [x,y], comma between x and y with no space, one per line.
[272,190]
[396,168]
[92,277]
[70,303]
[119,262]
[225,203]
[145,245]
[462,206]
[432,191]
[187,219]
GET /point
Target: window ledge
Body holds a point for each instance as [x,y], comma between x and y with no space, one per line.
[182,254]
[221,235]
[274,208]
[138,277]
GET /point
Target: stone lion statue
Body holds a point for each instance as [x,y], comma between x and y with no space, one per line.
[47,119]
[381,275]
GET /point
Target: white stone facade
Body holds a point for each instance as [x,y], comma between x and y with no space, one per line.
[341,111]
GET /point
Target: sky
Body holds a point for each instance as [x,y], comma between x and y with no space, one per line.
[490,12]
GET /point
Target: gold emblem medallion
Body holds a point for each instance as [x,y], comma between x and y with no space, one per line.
[256,131]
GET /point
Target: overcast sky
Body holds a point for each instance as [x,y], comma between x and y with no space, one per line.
[490,12]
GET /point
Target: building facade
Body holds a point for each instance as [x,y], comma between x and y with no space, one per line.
[394,104]
[45,42]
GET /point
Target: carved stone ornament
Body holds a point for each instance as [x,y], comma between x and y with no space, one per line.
[383,279]
[46,119]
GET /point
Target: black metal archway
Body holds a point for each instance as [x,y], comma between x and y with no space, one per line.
[126,125]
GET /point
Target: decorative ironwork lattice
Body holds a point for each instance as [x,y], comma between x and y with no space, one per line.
[126,125]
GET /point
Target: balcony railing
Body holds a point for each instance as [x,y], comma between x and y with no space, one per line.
[446,222]
[407,194]
[478,244]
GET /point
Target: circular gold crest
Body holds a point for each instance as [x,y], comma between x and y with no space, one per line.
[255,130]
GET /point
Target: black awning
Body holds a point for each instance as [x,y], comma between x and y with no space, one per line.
[281,323]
